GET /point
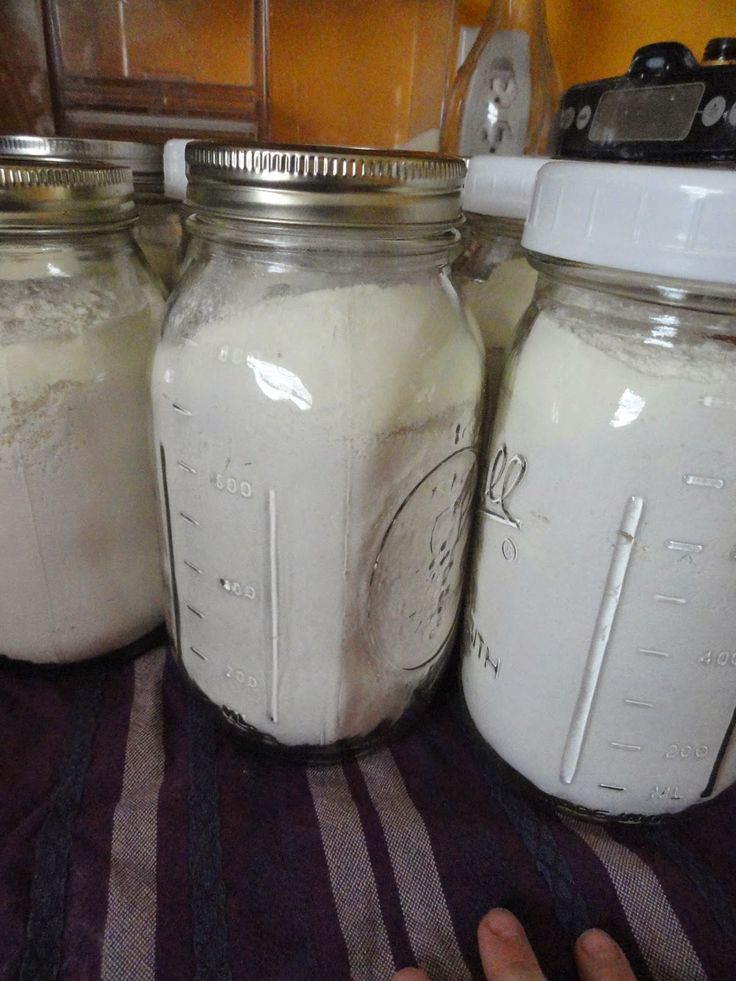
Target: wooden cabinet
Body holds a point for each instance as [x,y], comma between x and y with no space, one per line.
[150,69]
[25,106]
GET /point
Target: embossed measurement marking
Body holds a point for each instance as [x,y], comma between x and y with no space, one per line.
[653,652]
[237,589]
[273,558]
[676,600]
[180,408]
[194,568]
[638,703]
[676,546]
[195,612]
[693,480]
[612,786]
[601,634]
[628,746]
[185,466]
[198,653]
[189,518]
[713,402]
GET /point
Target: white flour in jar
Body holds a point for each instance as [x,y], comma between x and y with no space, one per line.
[77,506]
[497,304]
[623,441]
[318,480]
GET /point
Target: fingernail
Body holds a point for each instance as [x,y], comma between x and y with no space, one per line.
[598,946]
[503,924]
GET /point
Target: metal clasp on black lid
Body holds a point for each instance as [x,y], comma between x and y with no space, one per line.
[663,60]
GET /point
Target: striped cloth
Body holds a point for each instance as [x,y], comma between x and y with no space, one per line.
[139,840]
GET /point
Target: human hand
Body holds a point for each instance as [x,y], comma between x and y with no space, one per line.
[506,954]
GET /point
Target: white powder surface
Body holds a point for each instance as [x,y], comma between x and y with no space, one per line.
[77,503]
[318,462]
[621,570]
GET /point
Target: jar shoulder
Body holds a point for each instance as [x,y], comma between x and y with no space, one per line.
[66,287]
[402,347]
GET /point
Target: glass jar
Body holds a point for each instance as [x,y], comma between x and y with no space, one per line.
[494,277]
[79,316]
[598,652]
[316,394]
[158,230]
[159,234]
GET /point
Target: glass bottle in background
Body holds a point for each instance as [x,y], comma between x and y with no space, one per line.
[505,95]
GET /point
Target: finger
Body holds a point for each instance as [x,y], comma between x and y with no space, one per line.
[505,952]
[411,974]
[599,958]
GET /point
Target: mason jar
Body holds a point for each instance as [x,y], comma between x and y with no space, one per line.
[79,317]
[598,656]
[158,230]
[316,395]
[493,275]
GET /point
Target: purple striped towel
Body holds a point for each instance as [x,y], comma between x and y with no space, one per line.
[139,840]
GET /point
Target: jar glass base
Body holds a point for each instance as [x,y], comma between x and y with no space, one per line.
[153,638]
[563,807]
[311,753]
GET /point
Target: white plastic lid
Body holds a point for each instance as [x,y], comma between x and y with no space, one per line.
[501,186]
[678,222]
[175,169]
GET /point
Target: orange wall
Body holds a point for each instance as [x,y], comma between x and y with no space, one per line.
[365,72]
[596,38]
[374,73]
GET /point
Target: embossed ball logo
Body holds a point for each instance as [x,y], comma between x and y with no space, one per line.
[504,476]
[416,579]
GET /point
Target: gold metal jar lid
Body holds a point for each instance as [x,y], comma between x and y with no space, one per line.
[43,197]
[145,160]
[314,185]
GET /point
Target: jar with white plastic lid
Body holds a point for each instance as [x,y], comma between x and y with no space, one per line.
[316,395]
[493,275]
[79,317]
[598,654]
[158,228]
[175,189]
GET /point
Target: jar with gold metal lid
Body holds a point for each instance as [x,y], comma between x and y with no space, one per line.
[158,229]
[316,401]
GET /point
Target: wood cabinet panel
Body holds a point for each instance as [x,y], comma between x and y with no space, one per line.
[25,106]
[195,41]
[150,69]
